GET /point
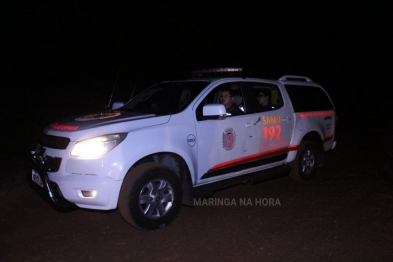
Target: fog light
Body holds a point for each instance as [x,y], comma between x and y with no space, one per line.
[87,193]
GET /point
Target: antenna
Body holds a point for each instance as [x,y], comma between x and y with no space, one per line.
[133,90]
[114,86]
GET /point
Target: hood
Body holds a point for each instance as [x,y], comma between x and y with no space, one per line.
[104,122]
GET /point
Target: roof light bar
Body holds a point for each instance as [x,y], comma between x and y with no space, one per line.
[237,70]
[295,78]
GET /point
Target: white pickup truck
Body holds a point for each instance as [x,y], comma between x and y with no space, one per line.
[175,142]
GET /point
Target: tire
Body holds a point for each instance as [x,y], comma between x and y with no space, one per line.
[150,196]
[304,166]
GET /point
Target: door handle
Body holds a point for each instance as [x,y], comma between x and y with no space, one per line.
[251,124]
[286,119]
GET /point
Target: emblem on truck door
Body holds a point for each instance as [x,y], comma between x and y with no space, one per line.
[228,139]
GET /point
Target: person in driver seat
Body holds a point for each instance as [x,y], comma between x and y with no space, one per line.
[227,99]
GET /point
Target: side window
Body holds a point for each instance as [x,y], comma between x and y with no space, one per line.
[308,98]
[228,94]
[267,97]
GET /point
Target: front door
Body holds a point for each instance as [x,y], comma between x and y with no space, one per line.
[225,146]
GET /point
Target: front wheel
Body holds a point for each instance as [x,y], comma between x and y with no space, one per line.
[305,164]
[150,196]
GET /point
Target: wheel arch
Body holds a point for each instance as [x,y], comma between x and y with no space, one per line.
[179,167]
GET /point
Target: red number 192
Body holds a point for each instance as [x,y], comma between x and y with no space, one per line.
[271,132]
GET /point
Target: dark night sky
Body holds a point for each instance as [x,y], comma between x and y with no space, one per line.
[58,53]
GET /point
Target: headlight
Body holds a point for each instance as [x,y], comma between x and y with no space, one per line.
[97,146]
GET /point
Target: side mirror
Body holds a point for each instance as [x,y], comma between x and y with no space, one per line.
[214,111]
[117,105]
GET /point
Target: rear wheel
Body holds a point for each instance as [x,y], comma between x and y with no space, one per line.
[305,164]
[150,196]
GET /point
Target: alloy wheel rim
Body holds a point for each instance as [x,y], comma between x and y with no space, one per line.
[307,162]
[156,198]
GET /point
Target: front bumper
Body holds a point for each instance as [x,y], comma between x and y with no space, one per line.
[58,181]
[47,189]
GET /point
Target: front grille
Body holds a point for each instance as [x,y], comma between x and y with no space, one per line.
[52,164]
[56,142]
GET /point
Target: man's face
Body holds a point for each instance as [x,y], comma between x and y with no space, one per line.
[226,99]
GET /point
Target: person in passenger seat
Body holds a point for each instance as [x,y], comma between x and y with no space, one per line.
[227,99]
[264,100]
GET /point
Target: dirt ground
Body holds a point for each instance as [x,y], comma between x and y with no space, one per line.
[344,214]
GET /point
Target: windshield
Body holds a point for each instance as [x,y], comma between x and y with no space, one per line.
[165,98]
